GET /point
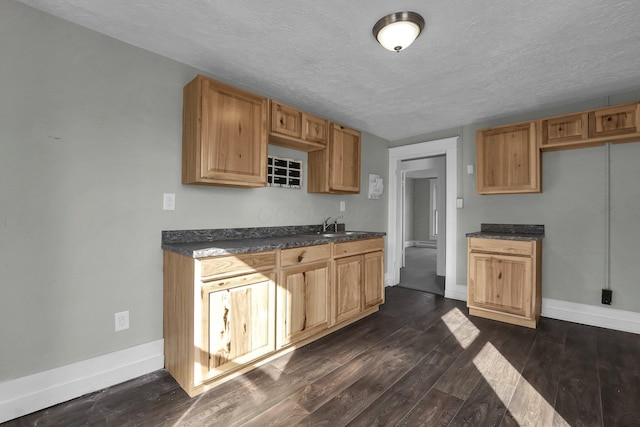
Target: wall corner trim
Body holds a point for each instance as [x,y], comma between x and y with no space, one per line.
[32,393]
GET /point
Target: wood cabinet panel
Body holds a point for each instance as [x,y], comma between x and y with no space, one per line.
[305,254]
[564,130]
[224,140]
[501,283]
[285,120]
[215,267]
[347,289]
[357,247]
[238,325]
[504,280]
[615,121]
[336,169]
[509,247]
[508,159]
[373,283]
[295,129]
[315,129]
[303,302]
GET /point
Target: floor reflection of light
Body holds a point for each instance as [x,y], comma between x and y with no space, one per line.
[460,326]
[530,408]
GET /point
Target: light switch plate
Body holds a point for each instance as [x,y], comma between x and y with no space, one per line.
[169,202]
[469,169]
[343,206]
[459,203]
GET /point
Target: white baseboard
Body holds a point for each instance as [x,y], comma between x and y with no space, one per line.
[585,314]
[409,243]
[32,393]
[593,315]
[458,292]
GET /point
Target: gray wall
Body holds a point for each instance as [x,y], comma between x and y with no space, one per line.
[571,206]
[409,209]
[421,198]
[90,138]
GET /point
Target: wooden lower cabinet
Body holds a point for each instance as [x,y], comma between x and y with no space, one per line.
[373,279]
[303,302]
[358,282]
[224,316]
[347,288]
[504,280]
[238,322]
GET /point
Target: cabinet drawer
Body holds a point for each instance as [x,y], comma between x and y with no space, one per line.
[619,120]
[304,255]
[357,247]
[212,268]
[285,120]
[514,247]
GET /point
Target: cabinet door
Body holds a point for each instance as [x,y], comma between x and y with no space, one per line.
[508,160]
[347,288]
[231,147]
[238,323]
[285,120]
[303,302]
[613,121]
[314,129]
[501,282]
[344,161]
[373,279]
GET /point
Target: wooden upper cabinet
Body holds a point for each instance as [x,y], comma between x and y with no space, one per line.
[224,135]
[615,121]
[285,120]
[508,159]
[591,128]
[337,168]
[295,129]
[564,131]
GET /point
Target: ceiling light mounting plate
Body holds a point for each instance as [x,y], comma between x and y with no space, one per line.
[397,31]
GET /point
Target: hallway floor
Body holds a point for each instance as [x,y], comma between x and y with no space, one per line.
[419,272]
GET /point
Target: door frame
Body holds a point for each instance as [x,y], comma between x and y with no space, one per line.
[448,147]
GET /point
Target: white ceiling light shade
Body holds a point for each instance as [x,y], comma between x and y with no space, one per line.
[397,31]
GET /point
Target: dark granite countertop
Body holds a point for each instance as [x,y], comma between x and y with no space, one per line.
[509,232]
[225,241]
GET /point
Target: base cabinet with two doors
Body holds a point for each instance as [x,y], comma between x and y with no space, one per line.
[226,315]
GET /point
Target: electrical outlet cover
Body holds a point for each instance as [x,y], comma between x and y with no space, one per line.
[122,320]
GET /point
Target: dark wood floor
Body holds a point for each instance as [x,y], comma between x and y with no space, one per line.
[420,361]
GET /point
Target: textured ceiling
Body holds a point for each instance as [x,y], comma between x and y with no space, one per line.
[476,59]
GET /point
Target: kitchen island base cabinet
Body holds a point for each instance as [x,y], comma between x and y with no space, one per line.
[504,280]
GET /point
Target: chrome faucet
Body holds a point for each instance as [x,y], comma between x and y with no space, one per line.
[325,224]
[335,223]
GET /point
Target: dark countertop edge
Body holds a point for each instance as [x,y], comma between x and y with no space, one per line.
[241,246]
[505,236]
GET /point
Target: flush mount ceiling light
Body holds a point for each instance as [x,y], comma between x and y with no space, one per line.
[397,31]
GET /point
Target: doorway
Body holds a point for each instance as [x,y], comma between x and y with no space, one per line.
[423,225]
[395,241]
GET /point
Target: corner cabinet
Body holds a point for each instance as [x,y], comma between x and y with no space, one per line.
[508,159]
[224,135]
[504,280]
[336,169]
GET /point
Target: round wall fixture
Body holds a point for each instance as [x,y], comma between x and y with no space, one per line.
[397,31]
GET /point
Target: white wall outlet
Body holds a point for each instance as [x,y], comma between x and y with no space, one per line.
[169,202]
[122,321]
[459,203]
[343,206]
[469,169]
